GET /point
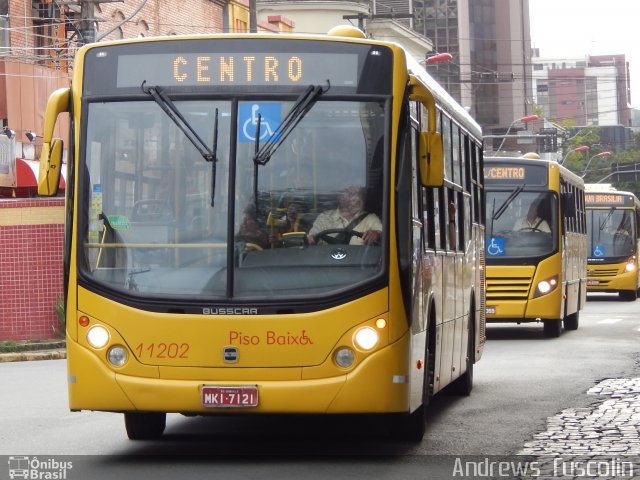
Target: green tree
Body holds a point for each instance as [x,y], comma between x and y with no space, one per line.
[577,161]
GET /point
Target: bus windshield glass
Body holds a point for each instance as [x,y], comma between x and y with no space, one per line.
[610,232]
[521,223]
[155,221]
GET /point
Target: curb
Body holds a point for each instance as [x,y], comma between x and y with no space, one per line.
[36,355]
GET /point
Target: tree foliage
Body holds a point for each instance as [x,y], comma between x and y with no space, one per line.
[596,169]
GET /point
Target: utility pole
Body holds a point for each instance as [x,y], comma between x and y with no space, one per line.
[253,21]
[86,26]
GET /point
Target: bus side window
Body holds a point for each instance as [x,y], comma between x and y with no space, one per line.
[429,219]
[440,209]
[452,224]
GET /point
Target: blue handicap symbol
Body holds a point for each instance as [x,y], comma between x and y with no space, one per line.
[495,248]
[270,113]
[598,251]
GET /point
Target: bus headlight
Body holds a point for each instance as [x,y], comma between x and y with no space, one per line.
[344,357]
[366,338]
[117,356]
[98,336]
[631,265]
[546,286]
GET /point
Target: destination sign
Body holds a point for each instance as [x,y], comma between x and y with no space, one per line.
[495,173]
[515,174]
[232,65]
[240,69]
[608,199]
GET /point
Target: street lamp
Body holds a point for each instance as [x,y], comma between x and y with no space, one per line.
[439,57]
[32,136]
[600,155]
[528,118]
[581,148]
[8,132]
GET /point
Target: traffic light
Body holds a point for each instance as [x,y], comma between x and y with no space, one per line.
[548,142]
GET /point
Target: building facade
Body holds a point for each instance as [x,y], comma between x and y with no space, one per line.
[501,61]
[587,91]
[318,17]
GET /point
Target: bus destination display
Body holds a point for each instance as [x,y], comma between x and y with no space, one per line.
[237,69]
[608,199]
[514,174]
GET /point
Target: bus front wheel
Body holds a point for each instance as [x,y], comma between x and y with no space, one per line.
[145,425]
[552,328]
[628,295]
[411,427]
[572,321]
[464,383]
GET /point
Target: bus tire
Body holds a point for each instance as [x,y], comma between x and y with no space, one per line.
[571,321]
[552,328]
[628,295]
[464,383]
[145,425]
[411,427]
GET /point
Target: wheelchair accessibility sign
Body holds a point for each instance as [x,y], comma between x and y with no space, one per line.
[599,251]
[495,248]
[270,114]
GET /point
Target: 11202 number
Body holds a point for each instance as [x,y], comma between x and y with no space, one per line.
[162,350]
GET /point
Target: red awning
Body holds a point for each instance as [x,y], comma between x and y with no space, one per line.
[27,174]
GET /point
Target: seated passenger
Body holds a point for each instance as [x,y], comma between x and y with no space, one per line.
[293,218]
[534,220]
[349,217]
[250,230]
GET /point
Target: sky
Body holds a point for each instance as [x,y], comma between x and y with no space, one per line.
[589,27]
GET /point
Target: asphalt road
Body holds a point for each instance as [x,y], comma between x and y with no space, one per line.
[522,379]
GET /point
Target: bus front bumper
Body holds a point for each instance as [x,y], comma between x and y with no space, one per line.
[615,282]
[380,384]
[547,307]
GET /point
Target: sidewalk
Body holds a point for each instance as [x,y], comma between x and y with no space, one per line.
[26,351]
[609,426]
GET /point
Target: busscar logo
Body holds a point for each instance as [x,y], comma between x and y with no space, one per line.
[38,469]
[230,311]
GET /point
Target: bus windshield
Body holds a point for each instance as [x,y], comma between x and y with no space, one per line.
[155,222]
[521,223]
[610,232]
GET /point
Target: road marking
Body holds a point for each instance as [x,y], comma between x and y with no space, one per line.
[609,321]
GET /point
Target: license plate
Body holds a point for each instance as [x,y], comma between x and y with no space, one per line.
[242,396]
[490,310]
[593,282]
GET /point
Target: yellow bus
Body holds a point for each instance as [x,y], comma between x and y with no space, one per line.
[614,247]
[536,243]
[195,281]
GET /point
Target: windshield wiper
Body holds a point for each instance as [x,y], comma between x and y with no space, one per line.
[167,105]
[300,108]
[604,222]
[493,216]
[507,202]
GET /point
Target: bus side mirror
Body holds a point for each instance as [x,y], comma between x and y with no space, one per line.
[431,159]
[50,164]
[51,154]
[569,204]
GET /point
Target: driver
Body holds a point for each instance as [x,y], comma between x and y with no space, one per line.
[534,219]
[349,216]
